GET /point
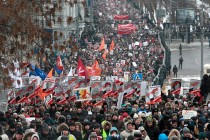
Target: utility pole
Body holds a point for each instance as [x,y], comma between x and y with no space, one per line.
[77,23]
[202,36]
[170,21]
[91,14]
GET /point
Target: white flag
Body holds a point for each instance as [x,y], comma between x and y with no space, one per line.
[70,72]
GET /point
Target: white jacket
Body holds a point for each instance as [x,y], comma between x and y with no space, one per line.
[4,137]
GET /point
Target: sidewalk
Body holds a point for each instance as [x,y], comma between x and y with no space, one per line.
[196,43]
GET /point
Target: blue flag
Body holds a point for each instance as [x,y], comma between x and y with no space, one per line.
[40,73]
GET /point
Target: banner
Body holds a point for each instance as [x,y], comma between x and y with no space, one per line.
[121,17]
[194,84]
[120,100]
[95,90]
[49,83]
[126,29]
[3,95]
[144,87]
[188,114]
[176,86]
[25,80]
[154,95]
[3,106]
[82,94]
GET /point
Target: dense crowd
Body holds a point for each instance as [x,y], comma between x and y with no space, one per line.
[134,120]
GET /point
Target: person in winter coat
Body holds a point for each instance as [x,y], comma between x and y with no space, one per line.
[207,132]
[106,126]
[93,136]
[11,131]
[2,134]
[63,129]
[116,122]
[18,135]
[113,134]
[174,132]
[128,131]
[151,128]
[86,128]
[46,134]
[35,137]
[143,133]
[73,131]
[94,128]
[162,136]
[31,136]
[186,135]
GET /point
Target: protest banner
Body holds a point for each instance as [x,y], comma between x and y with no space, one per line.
[176,86]
[82,94]
[188,114]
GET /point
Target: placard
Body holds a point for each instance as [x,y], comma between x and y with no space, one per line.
[188,114]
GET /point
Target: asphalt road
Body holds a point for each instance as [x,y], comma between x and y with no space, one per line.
[191,54]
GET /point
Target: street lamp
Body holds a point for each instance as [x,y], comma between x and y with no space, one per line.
[202,36]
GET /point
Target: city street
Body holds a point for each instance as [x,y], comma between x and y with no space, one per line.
[191,54]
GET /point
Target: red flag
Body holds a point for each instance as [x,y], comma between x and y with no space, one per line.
[111,48]
[94,70]
[105,53]
[81,71]
[59,63]
[102,46]
[50,74]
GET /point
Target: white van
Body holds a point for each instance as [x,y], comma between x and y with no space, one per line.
[207,69]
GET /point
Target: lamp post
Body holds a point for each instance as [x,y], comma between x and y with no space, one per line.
[202,36]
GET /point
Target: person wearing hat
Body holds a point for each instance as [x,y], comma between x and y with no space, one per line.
[128,131]
[46,133]
[113,134]
[186,135]
[11,131]
[86,128]
[63,129]
[151,128]
[207,132]
[2,134]
[116,122]
[93,136]
[73,131]
[106,126]
[94,128]
[18,135]
[144,133]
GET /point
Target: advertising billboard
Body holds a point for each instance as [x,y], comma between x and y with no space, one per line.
[185,16]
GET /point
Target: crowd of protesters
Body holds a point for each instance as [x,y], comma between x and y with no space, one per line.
[135,120]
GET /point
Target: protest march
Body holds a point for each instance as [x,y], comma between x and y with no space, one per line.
[109,87]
